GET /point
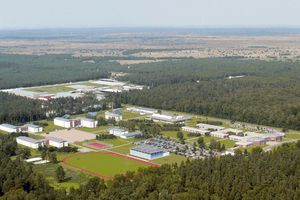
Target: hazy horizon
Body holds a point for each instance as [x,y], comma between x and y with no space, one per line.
[35,14]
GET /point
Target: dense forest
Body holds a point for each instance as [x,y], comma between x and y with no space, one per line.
[269,93]
[18,110]
[245,176]
[29,70]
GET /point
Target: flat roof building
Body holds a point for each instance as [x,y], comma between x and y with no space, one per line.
[57,142]
[209,127]
[169,118]
[123,133]
[89,123]
[32,128]
[115,114]
[148,152]
[257,141]
[9,128]
[29,142]
[142,110]
[194,130]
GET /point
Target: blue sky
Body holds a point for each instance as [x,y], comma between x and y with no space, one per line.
[152,13]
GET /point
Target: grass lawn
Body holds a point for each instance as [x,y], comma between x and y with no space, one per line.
[105,164]
[130,115]
[51,89]
[173,134]
[228,143]
[51,127]
[73,178]
[123,149]
[115,142]
[292,136]
[3,132]
[173,158]
[101,129]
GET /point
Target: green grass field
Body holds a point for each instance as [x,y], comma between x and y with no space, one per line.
[292,136]
[50,127]
[228,143]
[173,134]
[100,129]
[123,149]
[173,158]
[105,164]
[130,115]
[51,89]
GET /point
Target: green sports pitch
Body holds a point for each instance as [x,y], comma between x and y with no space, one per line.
[105,164]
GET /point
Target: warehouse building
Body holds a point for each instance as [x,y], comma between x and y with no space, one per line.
[243,144]
[148,152]
[29,142]
[57,142]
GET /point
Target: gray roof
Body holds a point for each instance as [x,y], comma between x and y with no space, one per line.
[56,139]
[255,139]
[62,119]
[149,149]
[132,134]
[32,126]
[112,114]
[117,129]
[9,126]
[28,139]
[87,119]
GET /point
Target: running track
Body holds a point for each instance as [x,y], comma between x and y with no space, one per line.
[65,162]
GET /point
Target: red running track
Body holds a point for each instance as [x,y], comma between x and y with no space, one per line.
[65,162]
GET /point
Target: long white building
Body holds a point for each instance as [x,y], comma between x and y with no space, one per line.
[169,118]
[142,110]
[29,142]
[9,128]
[194,130]
[209,127]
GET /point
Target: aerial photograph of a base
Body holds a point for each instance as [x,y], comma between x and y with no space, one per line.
[150,100]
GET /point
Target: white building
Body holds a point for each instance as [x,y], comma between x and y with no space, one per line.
[169,118]
[209,127]
[123,133]
[9,128]
[114,114]
[194,130]
[142,110]
[59,121]
[29,142]
[237,138]
[219,134]
[148,152]
[66,123]
[32,128]
[89,123]
[56,142]
[243,144]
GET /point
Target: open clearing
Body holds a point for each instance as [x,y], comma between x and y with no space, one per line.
[105,164]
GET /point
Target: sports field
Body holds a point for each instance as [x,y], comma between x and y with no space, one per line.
[105,164]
